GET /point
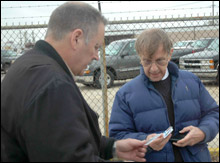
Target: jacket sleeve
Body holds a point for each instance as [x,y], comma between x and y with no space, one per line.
[121,125]
[55,126]
[209,123]
[106,149]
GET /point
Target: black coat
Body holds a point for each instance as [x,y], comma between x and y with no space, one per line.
[44,117]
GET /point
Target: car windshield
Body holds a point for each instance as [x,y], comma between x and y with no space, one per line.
[214,45]
[200,44]
[8,53]
[180,44]
[114,48]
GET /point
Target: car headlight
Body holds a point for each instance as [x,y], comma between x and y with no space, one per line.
[87,70]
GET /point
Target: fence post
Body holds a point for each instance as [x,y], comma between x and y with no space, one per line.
[104,84]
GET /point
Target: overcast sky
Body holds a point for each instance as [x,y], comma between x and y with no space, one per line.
[39,11]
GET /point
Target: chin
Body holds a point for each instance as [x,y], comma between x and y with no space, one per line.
[80,74]
[155,79]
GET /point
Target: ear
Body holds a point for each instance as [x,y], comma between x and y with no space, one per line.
[76,37]
[171,52]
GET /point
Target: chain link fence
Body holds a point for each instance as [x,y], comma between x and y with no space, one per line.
[119,62]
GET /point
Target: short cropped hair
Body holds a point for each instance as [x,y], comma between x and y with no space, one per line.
[74,15]
[148,42]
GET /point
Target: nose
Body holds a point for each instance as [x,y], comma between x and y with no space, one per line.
[96,56]
[153,67]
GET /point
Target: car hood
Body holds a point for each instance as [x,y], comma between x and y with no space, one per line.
[202,55]
[181,52]
[10,58]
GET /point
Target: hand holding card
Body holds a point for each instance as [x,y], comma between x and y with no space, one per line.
[165,134]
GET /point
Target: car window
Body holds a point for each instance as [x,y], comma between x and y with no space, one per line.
[190,44]
[130,48]
[180,44]
[113,48]
[200,43]
[8,53]
[214,45]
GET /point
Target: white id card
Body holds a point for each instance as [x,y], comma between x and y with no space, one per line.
[165,134]
[152,139]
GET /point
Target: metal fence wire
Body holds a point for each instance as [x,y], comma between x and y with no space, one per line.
[120,63]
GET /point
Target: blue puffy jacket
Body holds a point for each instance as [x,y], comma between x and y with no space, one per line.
[139,110]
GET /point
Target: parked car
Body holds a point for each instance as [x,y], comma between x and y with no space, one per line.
[204,64]
[122,62]
[183,44]
[7,58]
[197,46]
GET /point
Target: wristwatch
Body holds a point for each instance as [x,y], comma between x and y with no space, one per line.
[114,154]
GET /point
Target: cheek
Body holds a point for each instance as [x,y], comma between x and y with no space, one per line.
[146,71]
[89,53]
[162,71]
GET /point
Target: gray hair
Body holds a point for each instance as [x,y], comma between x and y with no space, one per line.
[74,15]
[149,41]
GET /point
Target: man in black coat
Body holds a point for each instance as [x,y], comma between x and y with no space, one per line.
[44,117]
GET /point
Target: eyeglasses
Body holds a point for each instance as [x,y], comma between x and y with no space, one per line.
[159,62]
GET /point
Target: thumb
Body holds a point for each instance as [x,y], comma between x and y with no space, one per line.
[132,141]
[139,143]
[144,141]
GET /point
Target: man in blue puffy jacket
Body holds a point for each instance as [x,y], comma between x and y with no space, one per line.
[163,96]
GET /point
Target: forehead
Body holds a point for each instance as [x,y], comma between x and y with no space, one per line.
[98,38]
[159,53]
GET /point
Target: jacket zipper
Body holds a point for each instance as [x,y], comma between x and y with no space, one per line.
[163,103]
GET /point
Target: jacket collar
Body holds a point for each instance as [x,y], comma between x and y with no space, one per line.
[48,50]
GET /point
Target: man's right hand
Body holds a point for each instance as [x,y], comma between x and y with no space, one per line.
[131,149]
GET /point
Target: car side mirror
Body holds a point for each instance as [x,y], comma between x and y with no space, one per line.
[124,53]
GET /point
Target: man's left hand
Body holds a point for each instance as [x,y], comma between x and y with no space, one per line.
[194,136]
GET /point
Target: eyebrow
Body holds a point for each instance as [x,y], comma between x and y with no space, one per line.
[156,59]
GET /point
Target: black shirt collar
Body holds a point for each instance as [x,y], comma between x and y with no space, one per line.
[48,50]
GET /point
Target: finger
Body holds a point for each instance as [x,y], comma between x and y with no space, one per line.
[139,159]
[144,142]
[159,139]
[186,129]
[164,141]
[181,143]
[178,145]
[150,136]
[185,140]
[168,137]
[137,143]
[143,150]
[140,154]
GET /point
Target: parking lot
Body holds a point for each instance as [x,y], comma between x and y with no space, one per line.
[93,97]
